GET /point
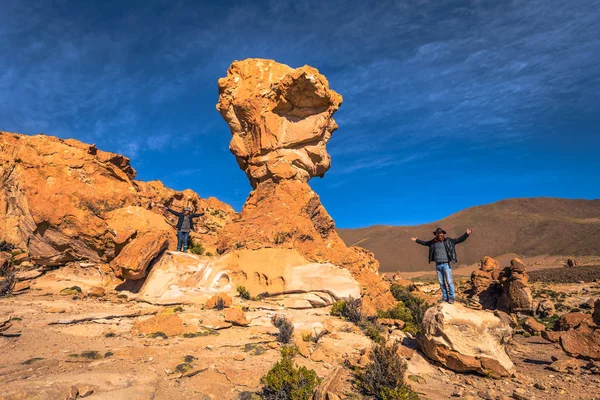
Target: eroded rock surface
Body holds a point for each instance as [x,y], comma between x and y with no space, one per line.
[186,278]
[281,119]
[467,340]
[64,201]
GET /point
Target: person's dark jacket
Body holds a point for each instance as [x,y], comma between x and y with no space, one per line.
[180,218]
[449,244]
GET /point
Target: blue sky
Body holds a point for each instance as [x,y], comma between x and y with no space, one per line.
[447,104]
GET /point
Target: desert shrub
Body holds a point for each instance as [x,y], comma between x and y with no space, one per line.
[416,305]
[350,310]
[5,246]
[384,377]
[208,254]
[7,282]
[550,321]
[337,309]
[220,304]
[373,331]
[243,292]
[285,326]
[197,248]
[286,381]
[399,311]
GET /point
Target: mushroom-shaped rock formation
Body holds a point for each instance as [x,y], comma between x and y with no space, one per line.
[281,119]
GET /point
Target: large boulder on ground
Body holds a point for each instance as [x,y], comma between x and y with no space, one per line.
[596,313]
[281,120]
[545,308]
[582,341]
[466,340]
[570,320]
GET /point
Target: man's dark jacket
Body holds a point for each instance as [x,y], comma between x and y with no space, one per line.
[449,244]
[180,218]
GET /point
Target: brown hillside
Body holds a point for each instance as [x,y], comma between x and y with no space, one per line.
[528,227]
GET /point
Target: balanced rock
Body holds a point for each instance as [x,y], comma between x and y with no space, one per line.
[466,340]
[281,120]
[485,287]
[516,295]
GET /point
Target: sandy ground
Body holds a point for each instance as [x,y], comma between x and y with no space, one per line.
[117,358]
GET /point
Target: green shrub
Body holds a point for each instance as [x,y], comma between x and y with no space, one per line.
[373,331]
[285,326]
[197,248]
[384,377]
[244,294]
[338,308]
[286,381]
[400,311]
[416,305]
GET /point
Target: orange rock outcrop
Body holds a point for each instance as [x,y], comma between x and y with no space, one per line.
[64,200]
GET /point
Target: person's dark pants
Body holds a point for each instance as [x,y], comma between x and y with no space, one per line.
[182,240]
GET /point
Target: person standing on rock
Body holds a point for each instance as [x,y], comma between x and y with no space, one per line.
[185,224]
[442,250]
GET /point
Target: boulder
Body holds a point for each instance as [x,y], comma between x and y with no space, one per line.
[236,317]
[583,341]
[533,327]
[96,291]
[551,336]
[570,320]
[545,308]
[135,258]
[466,340]
[188,278]
[571,263]
[596,314]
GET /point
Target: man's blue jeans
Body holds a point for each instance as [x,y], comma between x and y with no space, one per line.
[444,274]
[182,240]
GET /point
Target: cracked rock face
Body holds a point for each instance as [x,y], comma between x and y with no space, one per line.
[280,119]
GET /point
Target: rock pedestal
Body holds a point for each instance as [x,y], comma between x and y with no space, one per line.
[281,120]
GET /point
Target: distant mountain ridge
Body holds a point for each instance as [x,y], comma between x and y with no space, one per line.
[526,226]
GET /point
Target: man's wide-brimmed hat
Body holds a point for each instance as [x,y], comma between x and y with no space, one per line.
[439,230]
[188,209]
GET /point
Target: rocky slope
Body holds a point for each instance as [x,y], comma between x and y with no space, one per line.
[527,227]
[64,201]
